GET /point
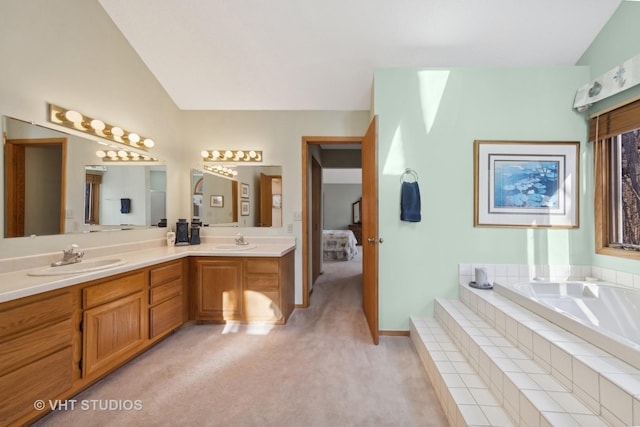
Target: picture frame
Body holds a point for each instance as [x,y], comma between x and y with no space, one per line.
[528,184]
[216,201]
[244,191]
[355,211]
[244,208]
[276,201]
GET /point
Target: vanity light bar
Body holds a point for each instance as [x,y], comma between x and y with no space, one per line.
[231,155]
[123,156]
[74,120]
[221,170]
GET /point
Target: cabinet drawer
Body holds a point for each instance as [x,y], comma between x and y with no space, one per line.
[163,292]
[263,265]
[113,289]
[263,281]
[34,313]
[165,273]
[43,379]
[35,345]
[165,316]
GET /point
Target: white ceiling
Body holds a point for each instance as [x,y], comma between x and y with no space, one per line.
[321,54]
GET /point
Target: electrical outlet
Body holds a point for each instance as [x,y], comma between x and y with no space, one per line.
[290,228]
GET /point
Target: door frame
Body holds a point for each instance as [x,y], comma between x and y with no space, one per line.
[14,150]
[307,142]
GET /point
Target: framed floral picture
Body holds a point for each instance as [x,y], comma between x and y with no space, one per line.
[244,208]
[244,191]
[526,184]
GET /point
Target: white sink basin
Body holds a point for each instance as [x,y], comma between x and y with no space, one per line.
[79,267]
[234,247]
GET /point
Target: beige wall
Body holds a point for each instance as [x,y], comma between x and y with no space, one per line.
[71,54]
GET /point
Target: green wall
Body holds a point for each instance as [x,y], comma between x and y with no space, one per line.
[428,121]
[617,42]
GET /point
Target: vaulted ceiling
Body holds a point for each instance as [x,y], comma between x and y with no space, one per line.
[321,54]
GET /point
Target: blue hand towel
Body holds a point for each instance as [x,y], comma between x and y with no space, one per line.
[410,202]
[125,206]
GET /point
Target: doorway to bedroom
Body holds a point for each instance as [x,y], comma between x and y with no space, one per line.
[313,162]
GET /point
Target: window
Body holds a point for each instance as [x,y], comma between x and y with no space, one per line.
[617,180]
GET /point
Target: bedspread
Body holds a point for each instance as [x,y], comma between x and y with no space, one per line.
[339,245]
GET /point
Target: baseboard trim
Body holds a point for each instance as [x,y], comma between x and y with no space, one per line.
[394,333]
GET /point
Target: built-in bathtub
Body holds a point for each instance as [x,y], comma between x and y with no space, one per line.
[605,315]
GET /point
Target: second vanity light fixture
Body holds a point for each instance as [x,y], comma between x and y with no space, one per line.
[221,170]
[74,120]
[123,156]
[231,155]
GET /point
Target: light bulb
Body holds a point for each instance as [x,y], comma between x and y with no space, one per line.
[134,138]
[112,154]
[73,116]
[97,125]
[204,154]
[228,154]
[101,154]
[215,154]
[240,154]
[148,143]
[252,154]
[116,131]
[122,154]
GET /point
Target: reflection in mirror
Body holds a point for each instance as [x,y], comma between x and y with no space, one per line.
[252,198]
[46,173]
[125,195]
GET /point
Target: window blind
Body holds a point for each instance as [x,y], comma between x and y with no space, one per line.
[623,119]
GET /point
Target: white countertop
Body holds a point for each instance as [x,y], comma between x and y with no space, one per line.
[19,284]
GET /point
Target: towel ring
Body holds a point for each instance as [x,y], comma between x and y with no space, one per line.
[411,172]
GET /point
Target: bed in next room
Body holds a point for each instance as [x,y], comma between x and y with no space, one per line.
[339,245]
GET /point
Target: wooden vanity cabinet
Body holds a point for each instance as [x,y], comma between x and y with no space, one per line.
[36,352]
[218,288]
[245,289]
[268,289]
[115,325]
[166,298]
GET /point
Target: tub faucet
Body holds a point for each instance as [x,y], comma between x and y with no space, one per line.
[70,256]
[240,240]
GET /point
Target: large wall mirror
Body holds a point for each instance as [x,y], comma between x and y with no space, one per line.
[252,198]
[55,184]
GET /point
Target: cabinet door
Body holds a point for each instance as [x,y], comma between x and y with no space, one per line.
[219,289]
[112,332]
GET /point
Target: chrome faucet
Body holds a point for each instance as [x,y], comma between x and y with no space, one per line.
[70,256]
[240,240]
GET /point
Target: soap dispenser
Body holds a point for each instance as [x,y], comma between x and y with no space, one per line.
[182,232]
[195,232]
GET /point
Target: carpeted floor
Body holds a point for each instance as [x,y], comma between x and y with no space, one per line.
[318,370]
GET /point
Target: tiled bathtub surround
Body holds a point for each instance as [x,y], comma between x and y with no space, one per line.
[492,362]
[509,274]
[605,384]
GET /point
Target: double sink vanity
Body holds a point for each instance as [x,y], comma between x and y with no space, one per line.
[62,328]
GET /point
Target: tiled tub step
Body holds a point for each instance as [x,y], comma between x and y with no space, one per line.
[606,384]
[464,397]
[530,395]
